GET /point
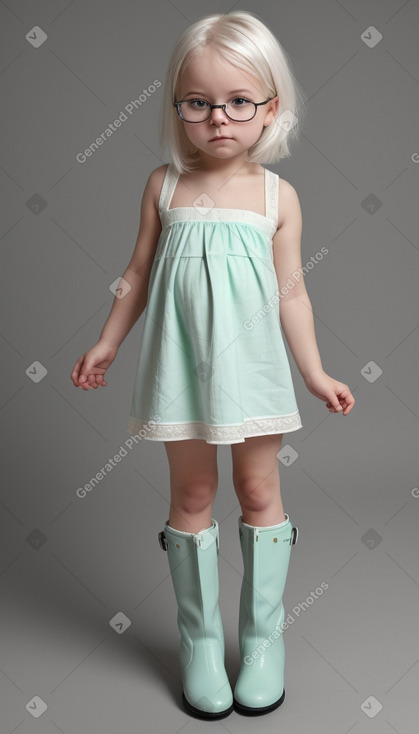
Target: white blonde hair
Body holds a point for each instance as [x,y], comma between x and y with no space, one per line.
[241,38]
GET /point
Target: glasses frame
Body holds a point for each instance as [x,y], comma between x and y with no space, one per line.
[217,106]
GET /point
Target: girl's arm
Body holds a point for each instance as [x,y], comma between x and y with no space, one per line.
[89,369]
[126,311]
[295,310]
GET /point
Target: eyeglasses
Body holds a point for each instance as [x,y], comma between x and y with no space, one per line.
[199,110]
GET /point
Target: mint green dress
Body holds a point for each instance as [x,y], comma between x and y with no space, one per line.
[212,362]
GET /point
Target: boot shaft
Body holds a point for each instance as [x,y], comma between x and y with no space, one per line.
[193,562]
[266,554]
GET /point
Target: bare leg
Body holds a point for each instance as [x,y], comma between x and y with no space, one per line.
[256,479]
[193,483]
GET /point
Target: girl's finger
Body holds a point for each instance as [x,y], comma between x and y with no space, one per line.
[76,371]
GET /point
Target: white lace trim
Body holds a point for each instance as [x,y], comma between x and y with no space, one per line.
[215,434]
[240,216]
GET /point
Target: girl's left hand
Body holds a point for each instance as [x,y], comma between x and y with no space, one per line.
[337,395]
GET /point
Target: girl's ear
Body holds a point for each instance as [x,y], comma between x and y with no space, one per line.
[273,109]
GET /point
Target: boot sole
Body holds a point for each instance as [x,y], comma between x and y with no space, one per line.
[205,714]
[249,711]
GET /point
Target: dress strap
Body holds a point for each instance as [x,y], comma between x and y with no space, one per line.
[271,195]
[168,187]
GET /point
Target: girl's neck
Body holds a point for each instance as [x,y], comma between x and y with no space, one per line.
[224,168]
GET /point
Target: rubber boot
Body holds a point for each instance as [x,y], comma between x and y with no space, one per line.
[266,553]
[193,561]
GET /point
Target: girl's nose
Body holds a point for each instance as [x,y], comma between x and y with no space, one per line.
[218,115]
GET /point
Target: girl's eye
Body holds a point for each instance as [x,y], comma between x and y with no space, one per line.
[198,104]
[240,99]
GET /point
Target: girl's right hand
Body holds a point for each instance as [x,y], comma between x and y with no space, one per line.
[90,368]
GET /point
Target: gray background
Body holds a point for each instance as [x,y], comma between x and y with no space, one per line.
[69,565]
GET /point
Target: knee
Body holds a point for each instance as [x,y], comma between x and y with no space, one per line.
[195,497]
[254,494]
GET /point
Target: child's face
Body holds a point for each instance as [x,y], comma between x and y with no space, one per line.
[212,78]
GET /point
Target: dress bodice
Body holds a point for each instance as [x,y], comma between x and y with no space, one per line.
[206,214]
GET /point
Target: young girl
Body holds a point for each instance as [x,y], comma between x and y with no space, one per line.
[218,264]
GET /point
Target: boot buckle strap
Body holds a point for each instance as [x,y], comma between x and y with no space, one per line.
[204,543]
[294,536]
[163,540]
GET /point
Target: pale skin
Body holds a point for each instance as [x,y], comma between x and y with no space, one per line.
[231,182]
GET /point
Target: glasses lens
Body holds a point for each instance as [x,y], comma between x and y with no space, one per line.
[240,109]
[198,110]
[194,110]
